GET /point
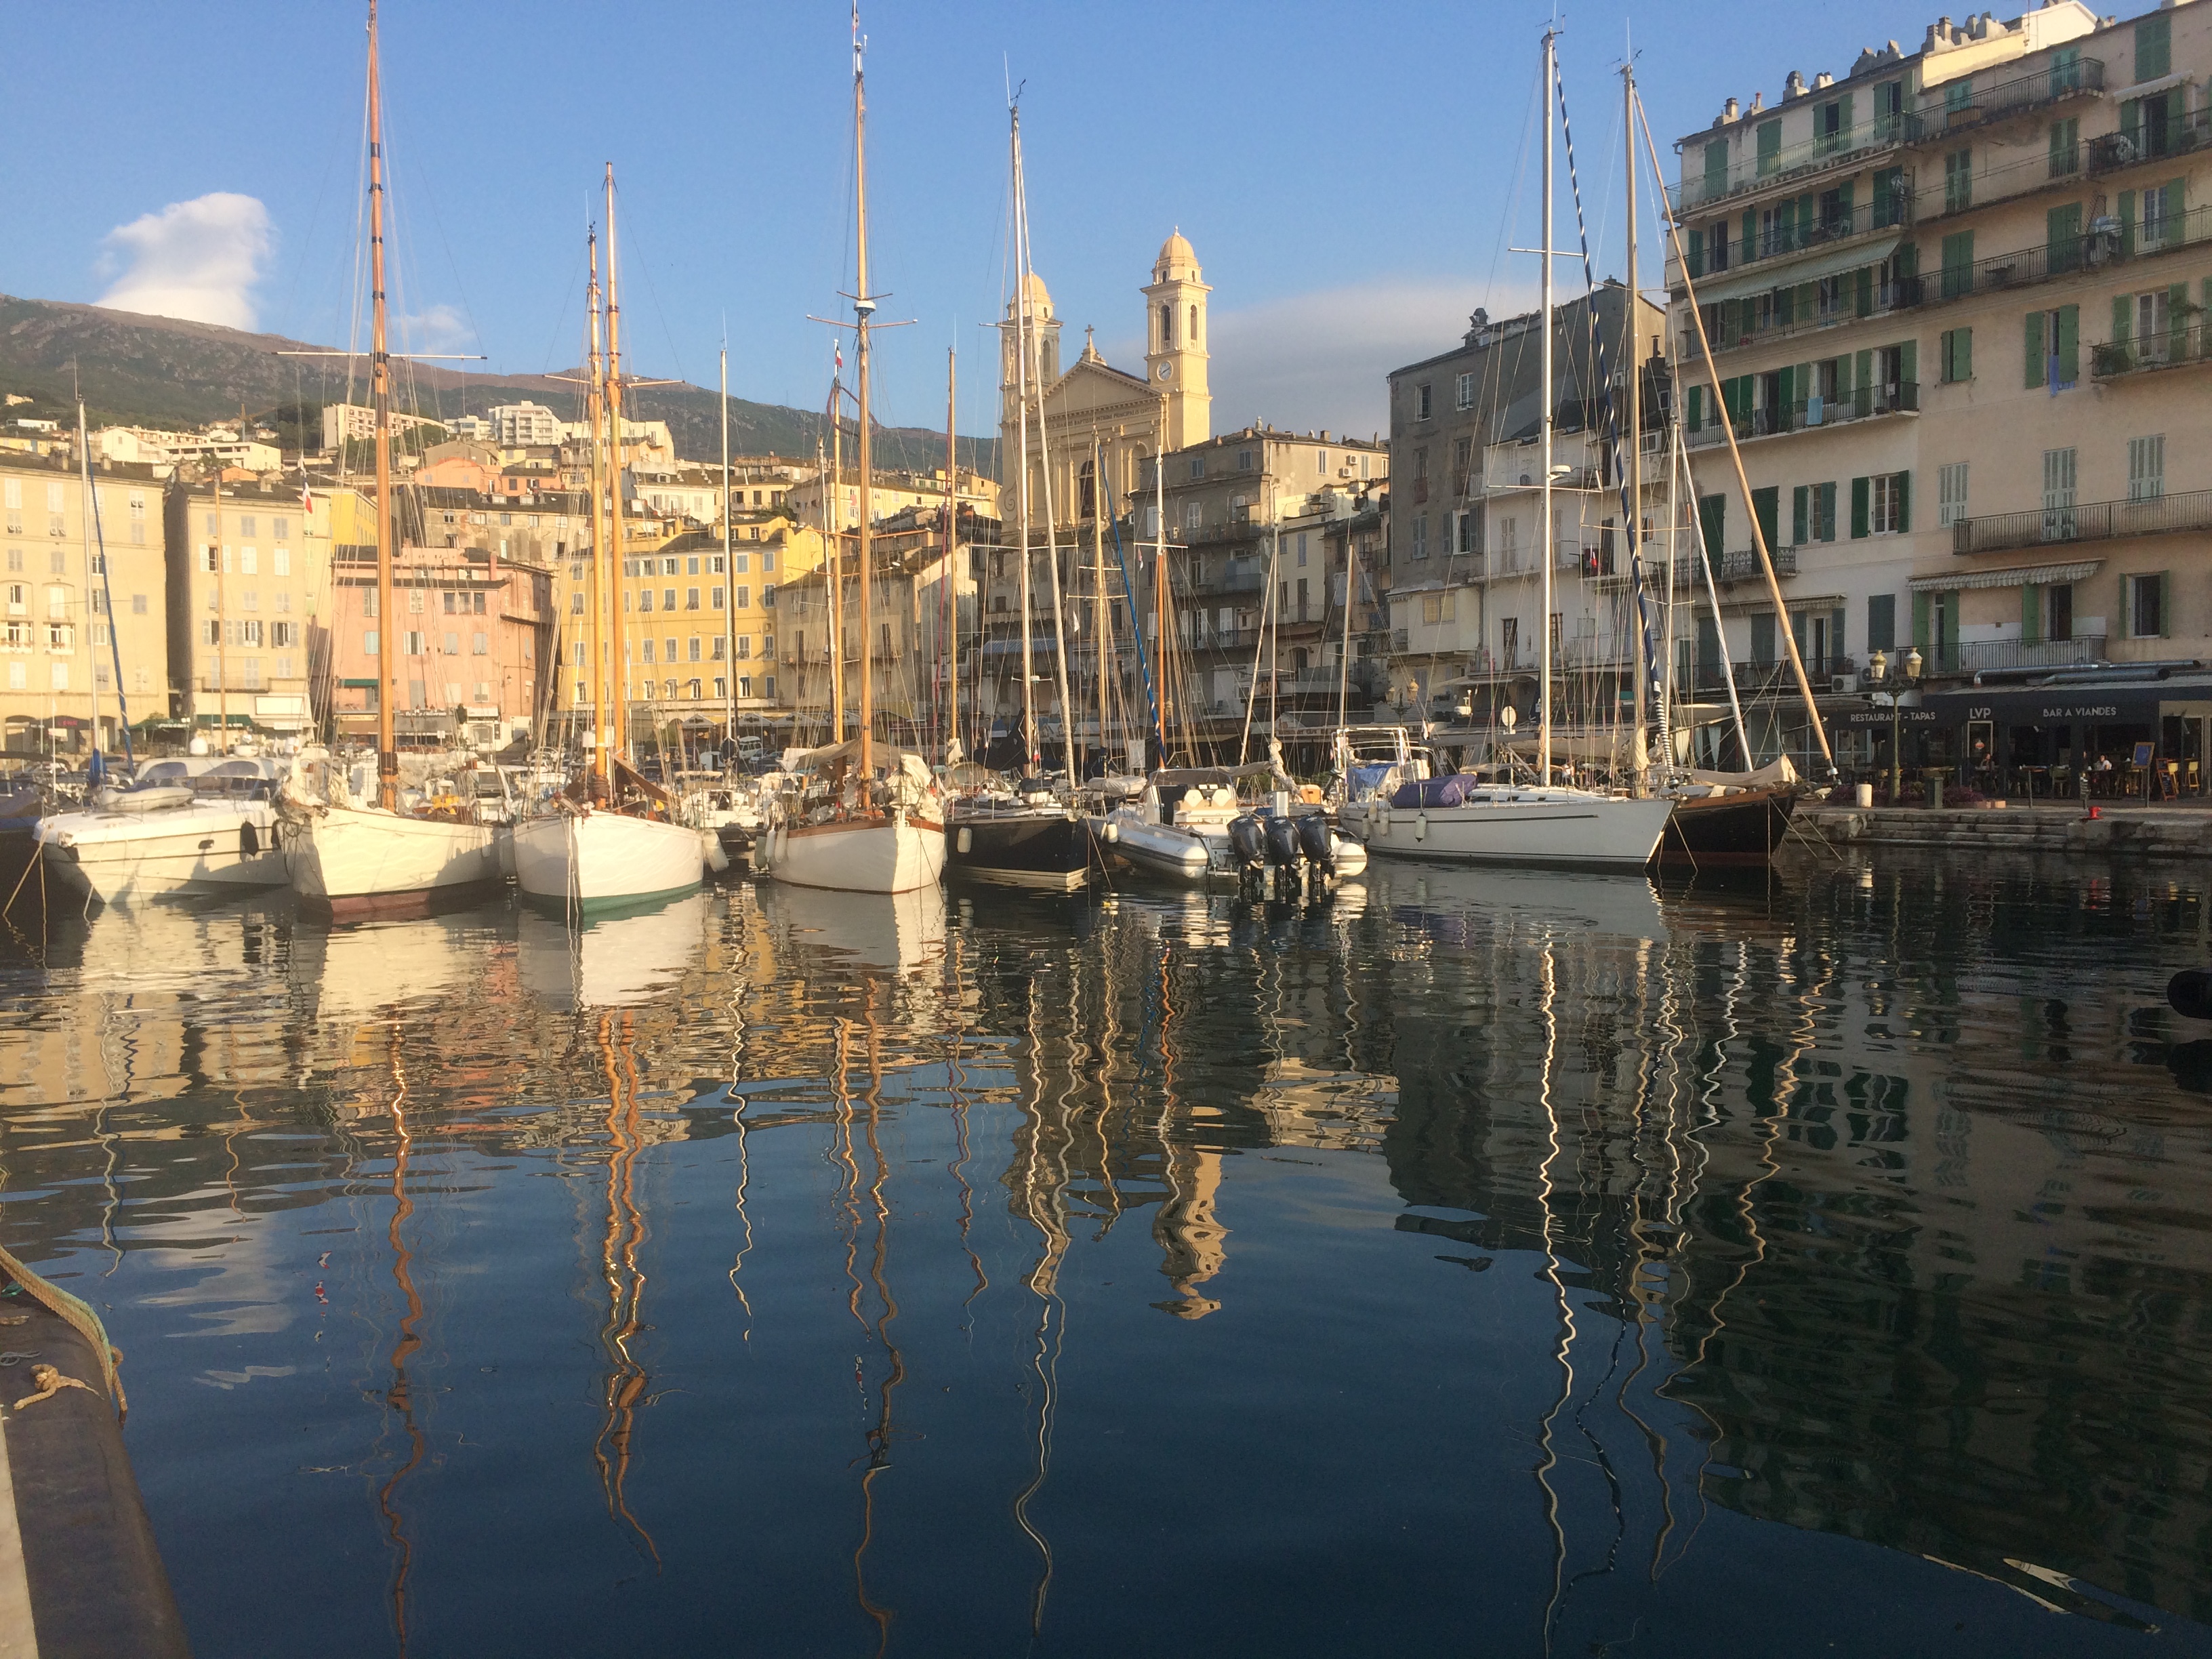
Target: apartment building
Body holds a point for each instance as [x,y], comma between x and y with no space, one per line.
[248,571]
[1466,589]
[523,426]
[1957,299]
[345,423]
[83,592]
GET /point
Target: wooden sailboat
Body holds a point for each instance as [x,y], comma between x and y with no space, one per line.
[613,839]
[866,818]
[1028,837]
[343,858]
[1461,821]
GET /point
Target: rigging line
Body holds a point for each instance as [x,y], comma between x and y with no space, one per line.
[638,258]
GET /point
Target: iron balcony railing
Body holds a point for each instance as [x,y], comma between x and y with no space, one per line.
[2180,134]
[1977,656]
[1862,403]
[2087,521]
[1776,240]
[2167,349]
[1943,109]
[1751,171]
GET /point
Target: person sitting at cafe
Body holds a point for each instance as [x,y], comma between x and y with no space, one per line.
[2103,769]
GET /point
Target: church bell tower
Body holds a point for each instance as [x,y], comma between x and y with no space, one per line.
[1176,335]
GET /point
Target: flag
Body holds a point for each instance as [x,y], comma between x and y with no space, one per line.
[306,501]
[840,356]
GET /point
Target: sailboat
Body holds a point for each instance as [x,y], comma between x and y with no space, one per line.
[614,837]
[1461,820]
[1027,837]
[865,818]
[345,858]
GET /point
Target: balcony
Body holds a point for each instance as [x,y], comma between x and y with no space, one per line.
[2179,134]
[1865,404]
[1780,241]
[1977,656]
[2088,521]
[2174,348]
[1820,154]
[1938,118]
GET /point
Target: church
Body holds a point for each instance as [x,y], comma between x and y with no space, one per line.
[1101,424]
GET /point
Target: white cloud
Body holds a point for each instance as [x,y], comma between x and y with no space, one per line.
[441,328]
[1322,360]
[197,260]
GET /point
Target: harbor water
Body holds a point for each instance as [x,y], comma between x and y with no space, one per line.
[1498,1261]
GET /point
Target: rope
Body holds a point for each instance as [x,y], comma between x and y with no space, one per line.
[81,1318]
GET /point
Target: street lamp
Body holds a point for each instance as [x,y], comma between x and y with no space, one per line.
[1878,672]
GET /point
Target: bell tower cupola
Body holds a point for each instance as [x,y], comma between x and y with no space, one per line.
[1176,335]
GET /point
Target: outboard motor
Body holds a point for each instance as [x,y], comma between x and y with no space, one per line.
[2190,992]
[1248,842]
[1282,842]
[1319,846]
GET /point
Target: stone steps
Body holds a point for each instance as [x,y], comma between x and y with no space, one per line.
[2139,832]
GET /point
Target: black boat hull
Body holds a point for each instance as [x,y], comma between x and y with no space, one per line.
[1044,848]
[1727,832]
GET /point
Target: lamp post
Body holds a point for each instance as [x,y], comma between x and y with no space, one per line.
[1878,672]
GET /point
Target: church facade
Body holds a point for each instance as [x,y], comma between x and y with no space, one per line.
[1101,424]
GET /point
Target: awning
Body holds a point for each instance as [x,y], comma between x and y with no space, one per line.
[1763,276]
[2019,575]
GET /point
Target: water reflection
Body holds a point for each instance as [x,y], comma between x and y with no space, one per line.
[1651,1246]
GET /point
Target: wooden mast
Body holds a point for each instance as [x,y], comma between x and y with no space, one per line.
[729,612]
[1032,742]
[863,306]
[1640,751]
[387,663]
[954,749]
[603,584]
[621,661]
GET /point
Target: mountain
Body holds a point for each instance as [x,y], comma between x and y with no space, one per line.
[159,371]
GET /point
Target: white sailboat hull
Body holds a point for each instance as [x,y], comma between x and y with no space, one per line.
[1554,827]
[188,850]
[893,854]
[359,860]
[598,860]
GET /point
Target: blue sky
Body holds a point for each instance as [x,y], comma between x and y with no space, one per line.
[1350,176]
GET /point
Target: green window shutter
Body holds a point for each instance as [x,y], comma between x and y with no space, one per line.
[2069,345]
[1800,508]
[1884,196]
[2127,222]
[1766,506]
[1862,381]
[2123,317]
[1695,407]
[1909,362]
[2035,352]
[1785,386]
[1824,513]
[1712,524]
[1858,509]
[1908,260]
[1697,256]
[1846,193]
[2031,614]
[1962,354]
[1957,263]
[1769,146]
[2176,318]
[1950,640]
[1920,623]
[1836,619]
[2176,195]
[2154,47]
[1865,295]
[1844,125]
[2132,122]
[1944,359]
[1785,306]
[1717,169]
[1903,502]
[1750,236]
[2165,604]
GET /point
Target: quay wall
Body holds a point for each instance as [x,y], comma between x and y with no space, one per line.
[2154,833]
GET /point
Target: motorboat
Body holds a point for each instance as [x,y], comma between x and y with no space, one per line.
[194,826]
[1463,819]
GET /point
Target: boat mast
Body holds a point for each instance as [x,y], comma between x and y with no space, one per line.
[1160,584]
[953,749]
[603,584]
[1641,753]
[1544,374]
[1044,477]
[833,539]
[863,306]
[615,471]
[1032,744]
[1098,635]
[729,612]
[388,665]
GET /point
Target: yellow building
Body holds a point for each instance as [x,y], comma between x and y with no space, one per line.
[71,615]
[248,577]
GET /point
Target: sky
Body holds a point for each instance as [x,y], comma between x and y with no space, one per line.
[1352,177]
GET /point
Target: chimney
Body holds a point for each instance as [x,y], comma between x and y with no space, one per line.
[1729,112]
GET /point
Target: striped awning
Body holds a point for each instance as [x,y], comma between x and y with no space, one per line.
[2018,575]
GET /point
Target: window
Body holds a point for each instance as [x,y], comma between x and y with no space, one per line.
[415,606]
[2053,347]
[767,597]
[61,677]
[2154,47]
[1881,505]
[576,603]
[414,644]
[138,517]
[453,644]
[1831,127]
[743,598]
[1958,178]
[692,649]
[2146,468]
[2066,147]
[716,652]
[1244,460]
[668,596]
[1881,622]
[57,602]
[1197,466]
[1463,393]
[648,651]
[714,597]
[1421,402]
[1194,515]
[1420,535]
[283,633]
[2150,313]
[691,568]
[1438,607]
[2147,606]
[479,644]
[137,605]
[1813,513]
[369,644]
[1769,138]
[2058,483]
[245,524]
[644,599]
[1955,352]
[449,597]
[691,596]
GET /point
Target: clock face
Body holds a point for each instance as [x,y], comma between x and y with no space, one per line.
[1167,371]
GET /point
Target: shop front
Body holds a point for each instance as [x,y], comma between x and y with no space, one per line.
[2139,738]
